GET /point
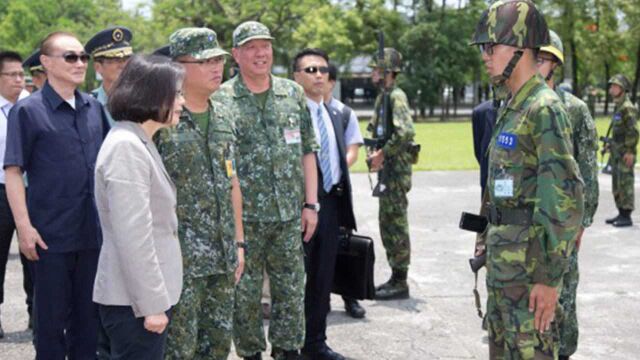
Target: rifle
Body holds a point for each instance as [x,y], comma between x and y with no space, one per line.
[606,147]
[383,125]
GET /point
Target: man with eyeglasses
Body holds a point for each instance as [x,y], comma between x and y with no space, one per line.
[277,171]
[534,188]
[12,84]
[311,70]
[110,50]
[38,75]
[54,136]
[199,155]
[585,147]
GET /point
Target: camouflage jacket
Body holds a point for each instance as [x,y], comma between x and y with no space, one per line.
[585,150]
[624,128]
[271,142]
[531,166]
[397,160]
[197,163]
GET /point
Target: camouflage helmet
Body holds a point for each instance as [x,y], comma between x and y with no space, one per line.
[555,48]
[250,30]
[201,43]
[392,60]
[516,23]
[621,81]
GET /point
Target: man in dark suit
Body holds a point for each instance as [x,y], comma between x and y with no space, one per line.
[483,119]
[311,70]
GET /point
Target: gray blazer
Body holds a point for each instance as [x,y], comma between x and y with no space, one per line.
[140,261]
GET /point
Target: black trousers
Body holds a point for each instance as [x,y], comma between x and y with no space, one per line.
[7,228]
[66,316]
[320,263]
[127,337]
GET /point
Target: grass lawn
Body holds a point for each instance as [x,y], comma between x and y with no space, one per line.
[448,145]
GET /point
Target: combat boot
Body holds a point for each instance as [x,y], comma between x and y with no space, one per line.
[624,219]
[280,354]
[256,356]
[395,288]
[613,219]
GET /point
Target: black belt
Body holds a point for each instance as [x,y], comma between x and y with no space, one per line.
[510,216]
[336,190]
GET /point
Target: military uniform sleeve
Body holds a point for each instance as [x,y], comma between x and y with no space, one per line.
[403,131]
[587,147]
[309,143]
[630,119]
[558,205]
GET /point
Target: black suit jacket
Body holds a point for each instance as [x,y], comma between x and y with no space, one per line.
[483,120]
[346,217]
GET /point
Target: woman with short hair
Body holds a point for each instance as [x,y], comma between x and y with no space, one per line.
[139,275]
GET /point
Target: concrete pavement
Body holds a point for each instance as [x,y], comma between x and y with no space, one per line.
[439,321]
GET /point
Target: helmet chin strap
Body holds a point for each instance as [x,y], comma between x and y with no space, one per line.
[550,74]
[499,80]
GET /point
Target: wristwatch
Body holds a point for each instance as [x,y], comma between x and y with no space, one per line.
[315,207]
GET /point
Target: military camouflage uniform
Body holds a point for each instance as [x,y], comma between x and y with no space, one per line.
[624,139]
[531,172]
[271,143]
[200,163]
[585,147]
[196,159]
[392,216]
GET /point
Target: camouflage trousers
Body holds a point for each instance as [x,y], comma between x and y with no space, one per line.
[568,326]
[202,321]
[510,324]
[394,228]
[623,182]
[277,248]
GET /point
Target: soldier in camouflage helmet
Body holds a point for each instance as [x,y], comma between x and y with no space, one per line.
[585,147]
[534,189]
[394,160]
[624,142]
[199,156]
[277,170]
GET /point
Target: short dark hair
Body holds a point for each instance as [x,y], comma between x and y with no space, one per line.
[307,52]
[7,56]
[333,73]
[146,89]
[46,46]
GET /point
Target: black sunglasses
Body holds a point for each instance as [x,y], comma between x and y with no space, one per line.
[315,69]
[72,57]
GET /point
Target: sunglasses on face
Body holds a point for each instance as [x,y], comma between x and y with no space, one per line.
[72,58]
[315,69]
[487,48]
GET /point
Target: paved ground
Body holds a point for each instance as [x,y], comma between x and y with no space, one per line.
[439,321]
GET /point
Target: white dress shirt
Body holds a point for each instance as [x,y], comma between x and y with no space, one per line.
[334,154]
[5,107]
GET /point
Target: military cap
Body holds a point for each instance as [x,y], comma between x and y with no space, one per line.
[555,48]
[33,62]
[621,81]
[163,51]
[515,23]
[201,43]
[392,60]
[28,81]
[250,30]
[110,43]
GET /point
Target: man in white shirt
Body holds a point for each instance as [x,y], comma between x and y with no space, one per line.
[334,193]
[12,83]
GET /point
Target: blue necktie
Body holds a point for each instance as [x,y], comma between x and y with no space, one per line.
[325,163]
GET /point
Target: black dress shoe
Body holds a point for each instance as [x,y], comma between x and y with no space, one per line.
[324,353]
[256,356]
[353,308]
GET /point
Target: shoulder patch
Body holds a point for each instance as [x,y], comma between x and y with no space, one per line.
[507,140]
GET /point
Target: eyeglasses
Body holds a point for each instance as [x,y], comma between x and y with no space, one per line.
[315,69]
[541,59]
[14,75]
[487,48]
[210,61]
[72,58]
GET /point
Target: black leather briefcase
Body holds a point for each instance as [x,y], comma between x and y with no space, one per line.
[354,267]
